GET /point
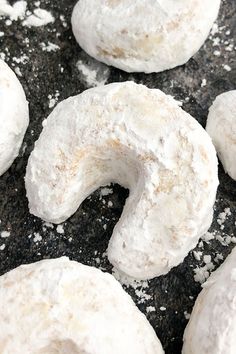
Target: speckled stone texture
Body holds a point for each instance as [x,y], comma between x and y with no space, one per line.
[85,236]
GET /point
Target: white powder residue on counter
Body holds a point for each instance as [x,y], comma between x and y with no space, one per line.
[105,191]
[140,286]
[16,11]
[53,99]
[207,261]
[226,67]
[2,247]
[187,315]
[150,309]
[203,273]
[37,237]
[49,47]
[5,234]
[60,229]
[40,17]
[93,73]
[162,308]
[221,44]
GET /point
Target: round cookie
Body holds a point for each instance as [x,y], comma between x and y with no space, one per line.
[212,325]
[143,35]
[221,126]
[141,139]
[14,116]
[60,306]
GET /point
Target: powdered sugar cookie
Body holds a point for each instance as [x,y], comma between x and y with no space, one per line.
[221,126]
[143,35]
[212,325]
[14,116]
[60,306]
[141,139]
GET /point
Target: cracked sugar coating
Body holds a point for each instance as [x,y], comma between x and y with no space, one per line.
[212,325]
[143,35]
[14,116]
[141,139]
[61,306]
[221,126]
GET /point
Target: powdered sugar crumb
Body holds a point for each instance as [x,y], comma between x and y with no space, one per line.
[203,273]
[5,234]
[105,191]
[40,17]
[150,309]
[93,73]
[60,229]
[2,247]
[16,11]
[49,47]
[139,286]
[37,237]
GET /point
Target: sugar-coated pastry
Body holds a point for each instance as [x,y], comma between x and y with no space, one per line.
[63,307]
[221,126]
[141,139]
[212,325]
[143,35]
[14,116]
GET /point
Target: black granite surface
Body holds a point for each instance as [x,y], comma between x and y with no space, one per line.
[85,237]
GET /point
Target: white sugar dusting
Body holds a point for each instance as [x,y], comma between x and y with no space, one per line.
[140,287]
[2,247]
[39,17]
[37,237]
[203,273]
[5,234]
[150,309]
[223,42]
[14,12]
[53,99]
[105,191]
[60,229]
[49,47]
[209,262]
[93,73]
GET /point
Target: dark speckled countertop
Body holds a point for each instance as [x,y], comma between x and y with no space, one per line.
[84,237]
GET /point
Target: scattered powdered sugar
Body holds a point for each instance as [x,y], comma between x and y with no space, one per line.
[209,262]
[187,315]
[105,191]
[150,309]
[2,247]
[226,67]
[221,44]
[39,17]
[5,234]
[49,47]
[162,308]
[53,99]
[37,237]
[197,255]
[203,273]
[207,259]
[139,286]
[204,82]
[93,73]
[16,11]
[47,225]
[60,229]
